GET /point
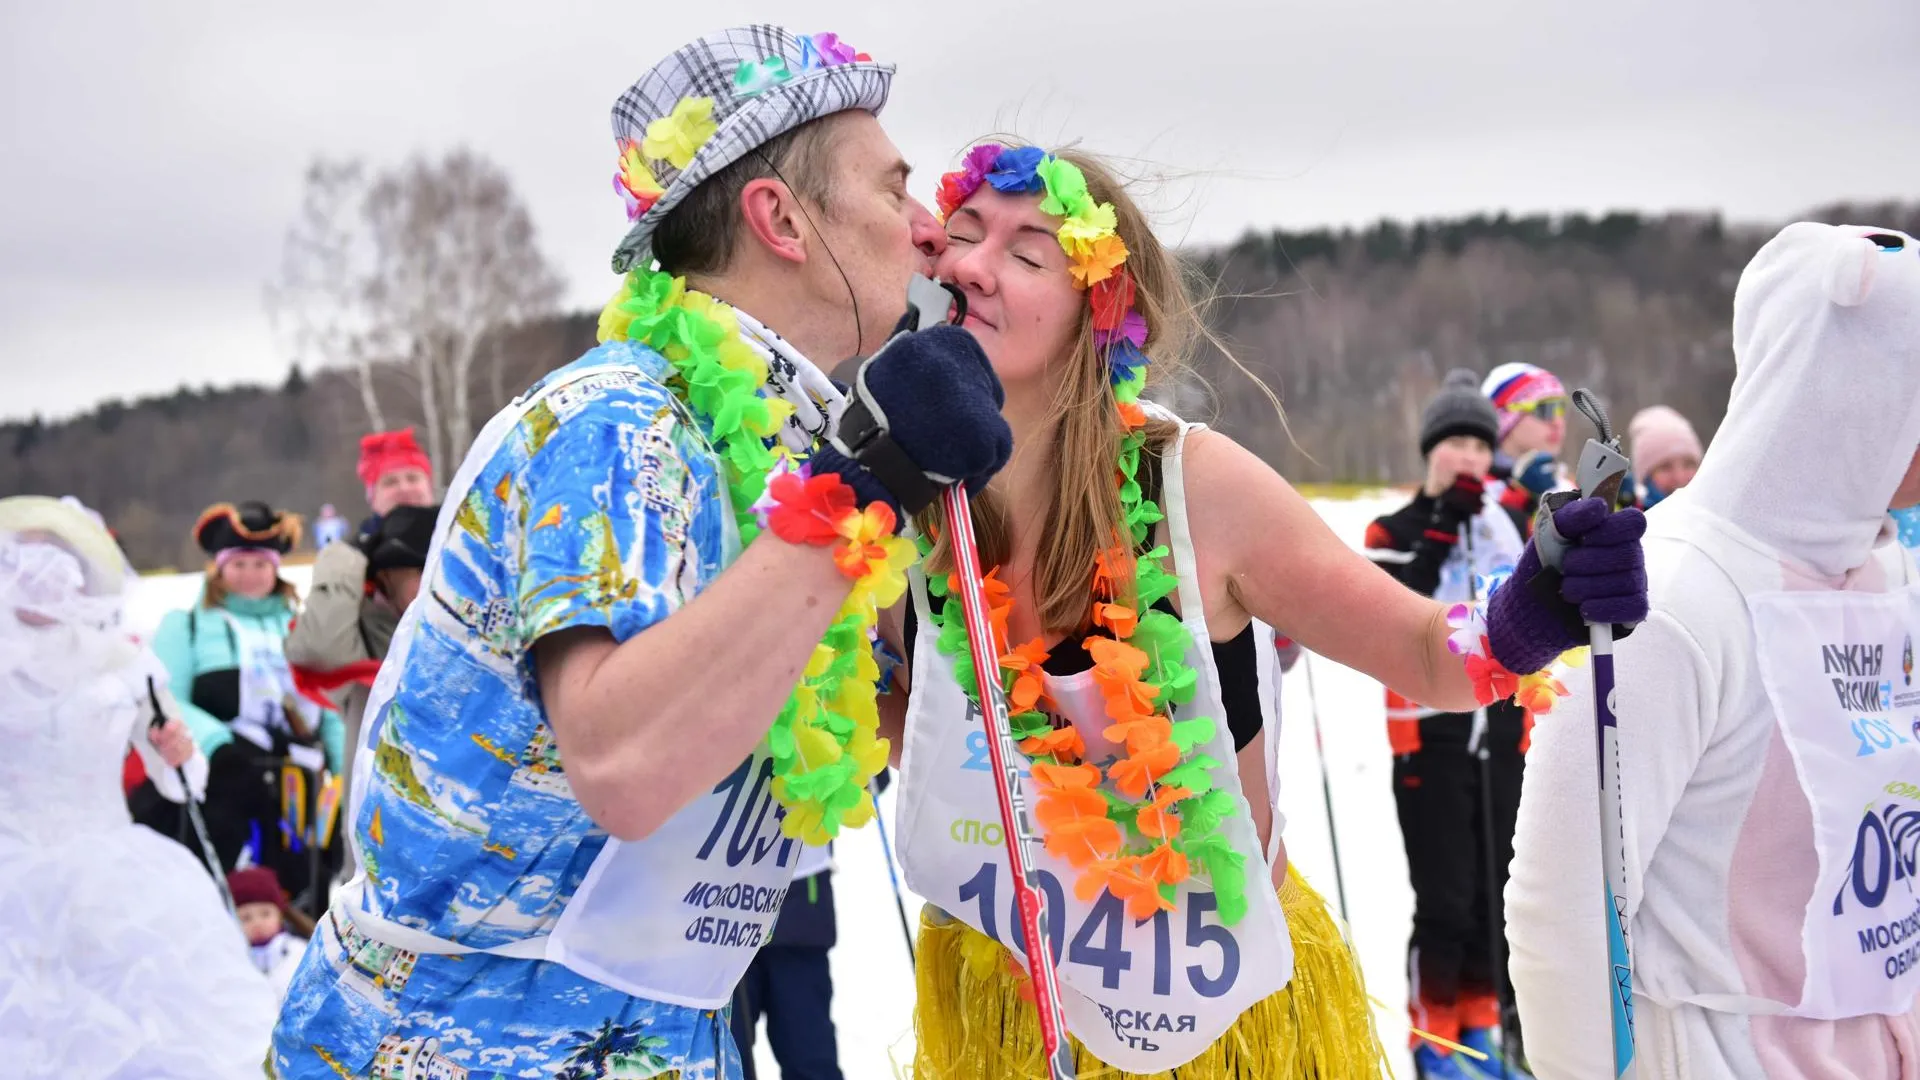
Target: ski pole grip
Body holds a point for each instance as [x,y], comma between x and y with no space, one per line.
[1599,475]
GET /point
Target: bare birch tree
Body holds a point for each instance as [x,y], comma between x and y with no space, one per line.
[441,258]
[315,305]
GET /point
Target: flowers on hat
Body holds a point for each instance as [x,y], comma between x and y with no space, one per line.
[677,136]
[676,139]
[1088,234]
[635,182]
[754,77]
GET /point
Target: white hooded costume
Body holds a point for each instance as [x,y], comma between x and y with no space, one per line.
[1773,579]
[117,958]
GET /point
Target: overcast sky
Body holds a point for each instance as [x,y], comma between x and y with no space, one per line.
[153,152]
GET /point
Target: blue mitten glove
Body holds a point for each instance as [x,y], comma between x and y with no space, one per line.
[1537,471]
[1542,612]
[924,413]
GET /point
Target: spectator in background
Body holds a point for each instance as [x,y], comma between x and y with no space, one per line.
[396,472]
[790,981]
[261,906]
[360,590]
[1531,405]
[1665,451]
[241,704]
[328,528]
[349,619]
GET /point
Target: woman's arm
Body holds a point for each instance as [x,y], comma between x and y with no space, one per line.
[1262,551]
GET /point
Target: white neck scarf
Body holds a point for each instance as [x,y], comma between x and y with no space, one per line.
[817,403]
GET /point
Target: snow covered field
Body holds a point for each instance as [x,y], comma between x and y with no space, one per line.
[873,985]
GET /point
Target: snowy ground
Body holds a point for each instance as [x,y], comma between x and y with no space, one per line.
[873,984]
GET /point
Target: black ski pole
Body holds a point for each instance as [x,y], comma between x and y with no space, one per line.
[199,823]
[1496,954]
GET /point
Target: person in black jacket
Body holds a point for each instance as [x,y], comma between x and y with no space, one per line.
[1456,530]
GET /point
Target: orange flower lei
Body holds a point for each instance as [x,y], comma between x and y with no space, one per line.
[1159,825]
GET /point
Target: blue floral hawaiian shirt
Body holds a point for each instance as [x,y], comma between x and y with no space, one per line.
[601,508]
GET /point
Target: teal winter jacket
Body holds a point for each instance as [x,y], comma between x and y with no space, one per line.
[191,643]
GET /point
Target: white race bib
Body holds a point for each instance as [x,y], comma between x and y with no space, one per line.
[1838,670]
[1144,996]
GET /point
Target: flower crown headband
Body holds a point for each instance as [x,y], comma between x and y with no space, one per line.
[1087,234]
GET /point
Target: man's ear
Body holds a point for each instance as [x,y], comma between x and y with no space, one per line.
[774,219]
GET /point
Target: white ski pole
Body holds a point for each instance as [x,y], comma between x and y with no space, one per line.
[1601,469]
[1326,788]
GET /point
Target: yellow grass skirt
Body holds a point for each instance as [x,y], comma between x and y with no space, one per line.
[972,1023]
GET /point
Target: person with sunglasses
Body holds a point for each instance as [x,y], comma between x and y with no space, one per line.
[1532,406]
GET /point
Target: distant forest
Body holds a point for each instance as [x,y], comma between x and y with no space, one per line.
[1352,329]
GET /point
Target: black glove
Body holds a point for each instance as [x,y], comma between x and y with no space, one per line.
[923,413]
[1456,506]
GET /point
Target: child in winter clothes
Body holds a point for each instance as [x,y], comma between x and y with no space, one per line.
[261,906]
[1665,452]
[1448,766]
[1765,749]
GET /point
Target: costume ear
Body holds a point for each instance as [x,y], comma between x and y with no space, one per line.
[1850,268]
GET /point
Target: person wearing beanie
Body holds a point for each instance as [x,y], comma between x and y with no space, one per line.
[1458,527]
[1665,452]
[1531,405]
[394,471]
[264,741]
[261,906]
[347,625]
[117,957]
[334,660]
[600,583]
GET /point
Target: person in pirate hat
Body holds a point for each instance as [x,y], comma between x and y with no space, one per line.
[626,699]
[241,703]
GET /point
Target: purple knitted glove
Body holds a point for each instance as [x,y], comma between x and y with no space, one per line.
[1541,612]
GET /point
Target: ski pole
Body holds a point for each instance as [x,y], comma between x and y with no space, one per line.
[886,847]
[1477,746]
[199,823]
[1601,468]
[1014,825]
[1326,787]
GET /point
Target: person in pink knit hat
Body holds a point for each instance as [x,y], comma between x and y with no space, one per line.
[1666,452]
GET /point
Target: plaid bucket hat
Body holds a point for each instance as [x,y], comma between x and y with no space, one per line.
[713,101]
